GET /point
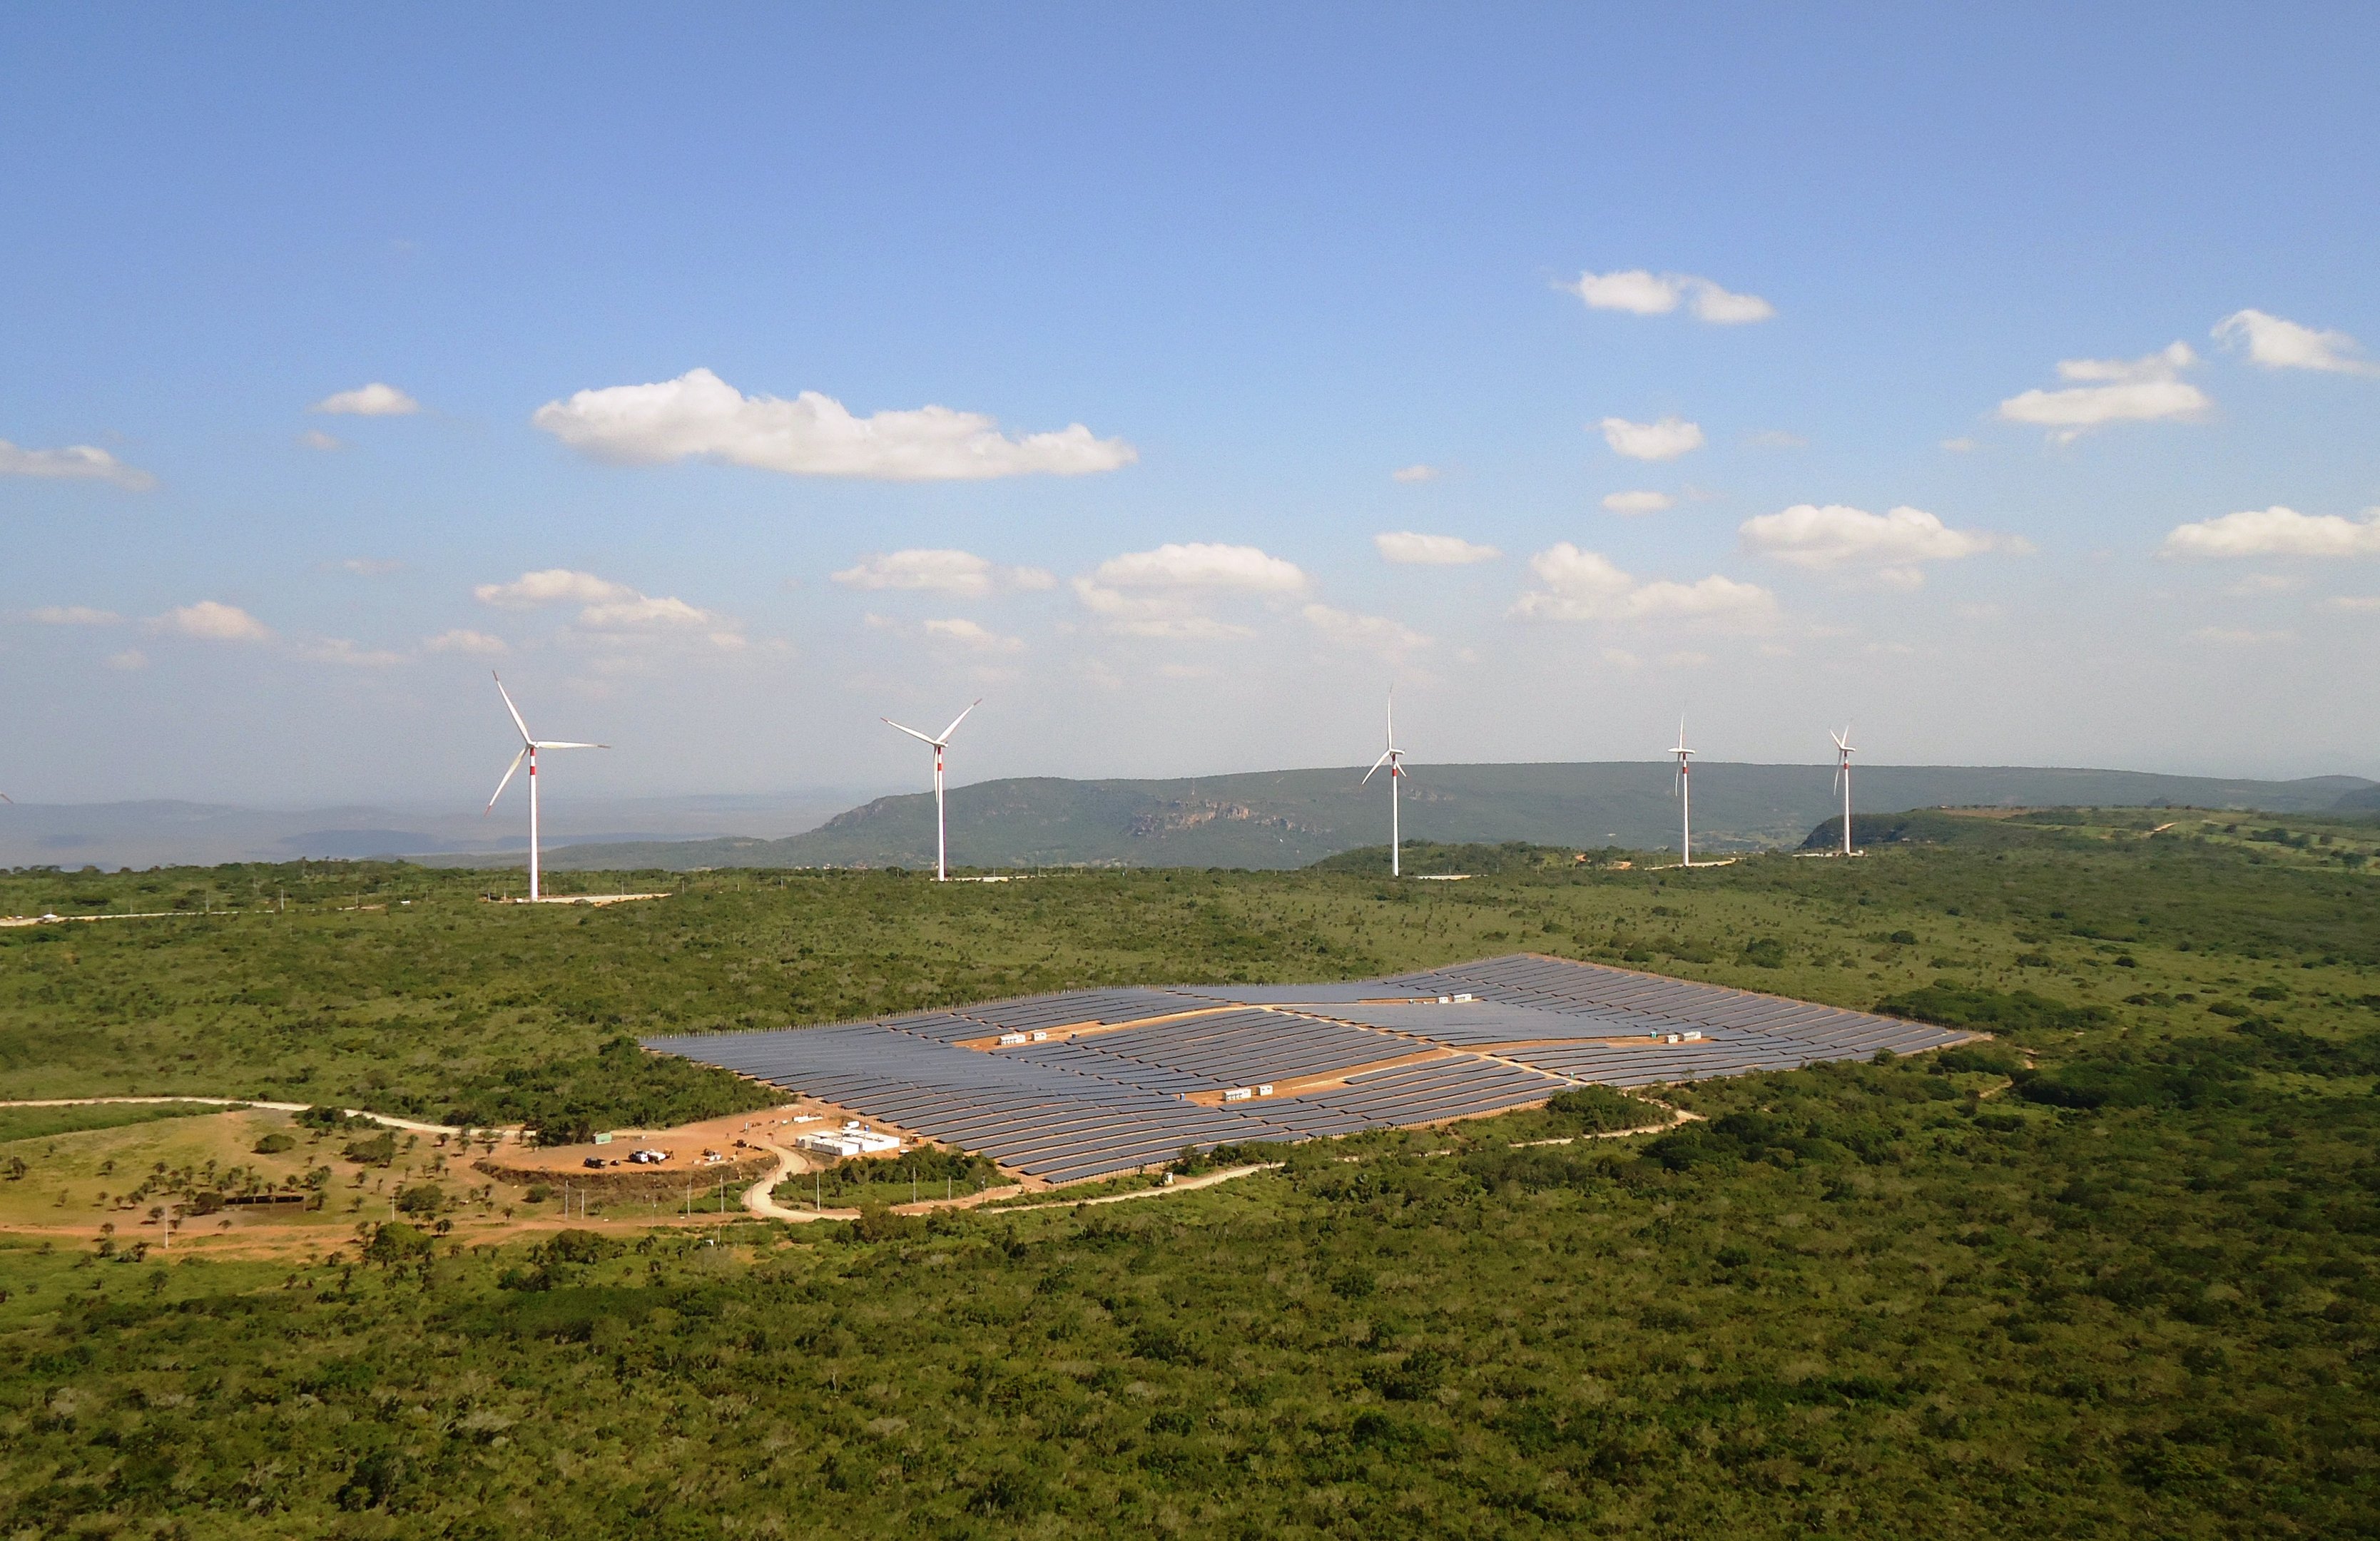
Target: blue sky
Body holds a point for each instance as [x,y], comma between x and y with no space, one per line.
[1267,263]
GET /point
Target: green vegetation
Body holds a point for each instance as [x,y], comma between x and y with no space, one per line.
[921,1171]
[2118,1269]
[28,1124]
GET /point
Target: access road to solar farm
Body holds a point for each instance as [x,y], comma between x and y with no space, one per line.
[1094,1084]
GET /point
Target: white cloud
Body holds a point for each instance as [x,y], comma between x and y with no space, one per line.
[372,566]
[1160,592]
[2352,601]
[130,659]
[968,635]
[1892,544]
[1585,586]
[1201,565]
[74,463]
[701,415]
[2148,389]
[645,612]
[1641,293]
[611,611]
[1961,445]
[2284,344]
[315,439]
[213,621]
[1371,634]
[75,615]
[2276,531]
[1638,503]
[2232,636]
[1666,439]
[374,400]
[941,572]
[464,641]
[1417,473]
[552,586]
[2260,585]
[339,651]
[1431,551]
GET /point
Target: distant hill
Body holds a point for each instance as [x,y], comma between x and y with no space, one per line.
[1285,819]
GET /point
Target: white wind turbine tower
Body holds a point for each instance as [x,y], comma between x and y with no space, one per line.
[1394,758]
[1685,798]
[1843,752]
[939,743]
[529,746]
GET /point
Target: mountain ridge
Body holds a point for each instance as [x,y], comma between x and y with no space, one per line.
[1285,819]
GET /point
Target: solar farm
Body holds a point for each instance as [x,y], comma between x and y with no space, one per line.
[1089,1083]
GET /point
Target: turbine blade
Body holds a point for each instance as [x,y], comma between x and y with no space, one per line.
[545,743]
[507,780]
[508,705]
[1376,766]
[911,732]
[960,717]
[6,798]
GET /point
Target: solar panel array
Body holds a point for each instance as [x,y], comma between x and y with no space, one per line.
[1114,1092]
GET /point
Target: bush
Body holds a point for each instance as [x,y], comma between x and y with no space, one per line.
[1600,1109]
[2016,1014]
[273,1144]
[1764,953]
[378,1151]
[423,1199]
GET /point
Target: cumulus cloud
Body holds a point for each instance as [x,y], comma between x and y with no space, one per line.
[2352,601]
[1586,586]
[213,621]
[2277,531]
[1638,503]
[1432,551]
[130,659]
[1892,545]
[1415,473]
[1641,293]
[74,616]
[972,636]
[375,400]
[699,415]
[552,586]
[478,644]
[2284,344]
[611,612]
[372,566]
[1371,634]
[1666,439]
[74,463]
[2108,390]
[1198,565]
[315,439]
[940,572]
[1164,592]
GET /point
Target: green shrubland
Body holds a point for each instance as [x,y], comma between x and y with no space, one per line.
[2114,1270]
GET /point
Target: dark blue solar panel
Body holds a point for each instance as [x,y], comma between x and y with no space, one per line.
[1117,1097]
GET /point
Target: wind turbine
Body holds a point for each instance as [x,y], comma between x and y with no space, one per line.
[529,746]
[1843,752]
[1394,758]
[939,743]
[1685,798]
